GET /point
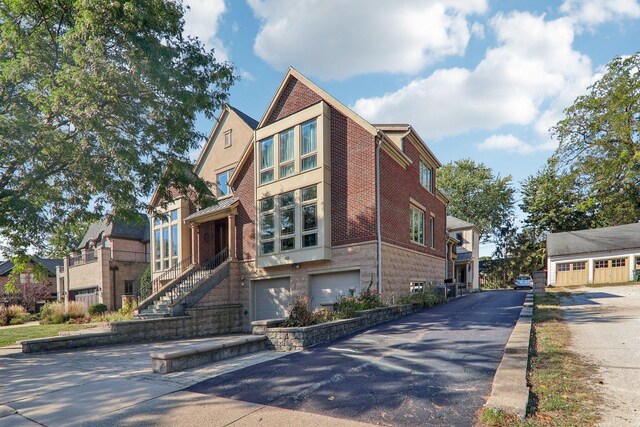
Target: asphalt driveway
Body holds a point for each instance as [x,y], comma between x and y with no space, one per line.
[434,367]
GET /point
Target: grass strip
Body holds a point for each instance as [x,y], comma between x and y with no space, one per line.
[563,384]
[9,336]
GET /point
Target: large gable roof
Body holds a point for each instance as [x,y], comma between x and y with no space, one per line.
[618,237]
[49,263]
[454,223]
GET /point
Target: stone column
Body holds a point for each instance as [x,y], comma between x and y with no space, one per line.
[232,236]
[195,255]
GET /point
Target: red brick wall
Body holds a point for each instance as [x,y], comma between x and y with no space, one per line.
[397,185]
[295,97]
[245,220]
[353,182]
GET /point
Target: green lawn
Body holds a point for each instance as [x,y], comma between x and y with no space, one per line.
[9,336]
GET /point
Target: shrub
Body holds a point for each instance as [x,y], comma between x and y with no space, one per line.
[56,319]
[346,306]
[15,310]
[128,308]
[4,319]
[76,309]
[16,321]
[299,312]
[97,309]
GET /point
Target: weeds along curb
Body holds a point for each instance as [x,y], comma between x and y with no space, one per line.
[510,392]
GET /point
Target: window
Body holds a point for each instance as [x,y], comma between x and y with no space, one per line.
[460,239]
[223,183]
[267,225]
[431,232]
[601,264]
[416,225]
[128,287]
[582,265]
[308,146]
[287,221]
[227,138]
[286,153]
[564,267]
[637,261]
[309,216]
[157,245]
[619,262]
[266,161]
[416,287]
[165,240]
[426,176]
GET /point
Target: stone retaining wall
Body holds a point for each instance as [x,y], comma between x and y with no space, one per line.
[291,339]
[199,322]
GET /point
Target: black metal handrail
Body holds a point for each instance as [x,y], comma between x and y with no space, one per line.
[201,271]
[167,276]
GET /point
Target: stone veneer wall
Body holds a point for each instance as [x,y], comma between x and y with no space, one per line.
[291,339]
[401,266]
[199,322]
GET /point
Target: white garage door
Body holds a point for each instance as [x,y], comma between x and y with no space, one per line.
[326,288]
[270,298]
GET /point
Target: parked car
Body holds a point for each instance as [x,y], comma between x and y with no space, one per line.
[523,281]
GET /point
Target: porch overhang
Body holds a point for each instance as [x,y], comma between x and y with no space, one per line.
[223,209]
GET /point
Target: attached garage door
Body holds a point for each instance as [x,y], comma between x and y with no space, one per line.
[610,270]
[572,273]
[326,288]
[270,298]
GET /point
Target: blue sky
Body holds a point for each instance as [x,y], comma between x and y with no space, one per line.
[477,78]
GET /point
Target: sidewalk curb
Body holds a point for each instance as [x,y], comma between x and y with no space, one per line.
[510,392]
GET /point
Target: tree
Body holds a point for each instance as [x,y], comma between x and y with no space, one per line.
[556,201]
[478,196]
[98,101]
[600,142]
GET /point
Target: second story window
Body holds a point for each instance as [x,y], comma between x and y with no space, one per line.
[267,225]
[308,146]
[426,176]
[460,239]
[310,216]
[223,183]
[266,161]
[286,153]
[165,240]
[416,225]
[287,221]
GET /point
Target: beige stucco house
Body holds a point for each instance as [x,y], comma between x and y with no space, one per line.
[466,248]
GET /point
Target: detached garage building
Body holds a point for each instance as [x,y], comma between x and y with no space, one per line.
[601,255]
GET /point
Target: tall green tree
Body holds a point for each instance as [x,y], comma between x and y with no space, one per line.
[98,99]
[556,200]
[600,142]
[478,196]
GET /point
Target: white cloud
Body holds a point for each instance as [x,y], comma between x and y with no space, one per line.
[594,12]
[201,21]
[338,39]
[513,144]
[532,68]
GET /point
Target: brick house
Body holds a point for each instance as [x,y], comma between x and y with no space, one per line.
[107,264]
[49,264]
[312,200]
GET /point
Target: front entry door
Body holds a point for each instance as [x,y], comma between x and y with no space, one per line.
[221,234]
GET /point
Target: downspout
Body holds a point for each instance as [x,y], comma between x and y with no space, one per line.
[379,233]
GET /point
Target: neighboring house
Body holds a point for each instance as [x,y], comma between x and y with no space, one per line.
[466,263]
[6,267]
[312,200]
[601,255]
[106,265]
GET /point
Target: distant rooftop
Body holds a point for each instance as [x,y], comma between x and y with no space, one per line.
[250,121]
[595,240]
[49,263]
[117,229]
[454,223]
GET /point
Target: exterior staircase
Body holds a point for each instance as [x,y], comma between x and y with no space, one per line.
[182,290]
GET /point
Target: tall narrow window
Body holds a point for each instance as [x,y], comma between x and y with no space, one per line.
[174,244]
[416,225]
[227,138]
[426,176]
[310,216]
[286,153]
[308,146]
[158,247]
[223,183]
[267,225]
[431,232]
[165,246]
[266,161]
[287,221]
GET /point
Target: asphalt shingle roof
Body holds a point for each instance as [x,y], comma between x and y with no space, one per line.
[49,263]
[454,223]
[251,122]
[221,205]
[117,229]
[595,240]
